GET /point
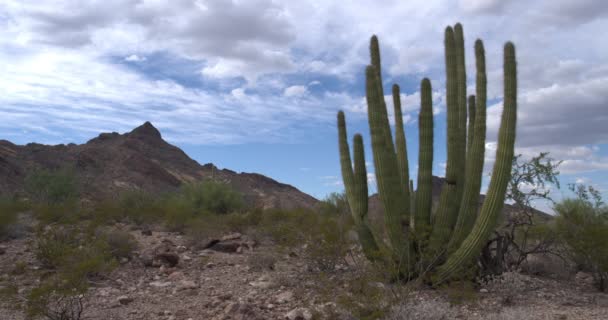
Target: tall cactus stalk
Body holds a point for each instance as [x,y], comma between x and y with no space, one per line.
[424,193]
[355,183]
[452,237]
[401,149]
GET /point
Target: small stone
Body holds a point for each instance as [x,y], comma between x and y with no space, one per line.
[181,249]
[484,290]
[284,297]
[160,284]
[232,236]
[124,300]
[187,284]
[2,250]
[232,307]
[146,232]
[176,275]
[299,314]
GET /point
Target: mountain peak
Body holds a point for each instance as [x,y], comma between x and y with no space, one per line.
[146,130]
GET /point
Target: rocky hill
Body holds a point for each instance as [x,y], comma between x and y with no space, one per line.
[140,159]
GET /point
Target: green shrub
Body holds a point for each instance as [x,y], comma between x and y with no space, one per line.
[121,244]
[334,203]
[52,187]
[211,196]
[139,207]
[56,299]
[75,257]
[583,226]
[7,218]
[68,212]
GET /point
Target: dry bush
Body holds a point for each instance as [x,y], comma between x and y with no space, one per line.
[261,261]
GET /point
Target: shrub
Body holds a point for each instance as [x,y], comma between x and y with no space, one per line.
[121,244]
[334,203]
[261,261]
[9,208]
[56,300]
[70,252]
[211,196]
[583,226]
[75,258]
[139,207]
[52,187]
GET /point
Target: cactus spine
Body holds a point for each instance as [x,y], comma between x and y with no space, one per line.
[454,235]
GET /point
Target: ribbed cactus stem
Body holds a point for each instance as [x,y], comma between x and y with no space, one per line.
[388,179]
[462,109]
[447,209]
[471,126]
[374,51]
[474,168]
[424,196]
[494,202]
[401,148]
[355,185]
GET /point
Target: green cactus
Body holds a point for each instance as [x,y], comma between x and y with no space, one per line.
[450,239]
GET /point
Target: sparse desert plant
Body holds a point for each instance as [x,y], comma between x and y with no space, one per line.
[57,300]
[441,245]
[52,186]
[212,196]
[75,258]
[261,261]
[8,216]
[583,226]
[334,203]
[121,244]
[523,232]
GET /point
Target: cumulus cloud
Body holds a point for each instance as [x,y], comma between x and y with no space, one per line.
[295,91]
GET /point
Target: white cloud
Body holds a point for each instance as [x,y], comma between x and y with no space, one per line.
[295,91]
[135,58]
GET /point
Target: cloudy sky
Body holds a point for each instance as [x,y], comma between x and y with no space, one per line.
[254,85]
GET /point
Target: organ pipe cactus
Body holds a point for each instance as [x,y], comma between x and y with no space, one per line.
[447,241]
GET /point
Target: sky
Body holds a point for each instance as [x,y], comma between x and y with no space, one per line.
[255,85]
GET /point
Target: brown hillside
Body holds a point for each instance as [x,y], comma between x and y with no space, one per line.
[141,159]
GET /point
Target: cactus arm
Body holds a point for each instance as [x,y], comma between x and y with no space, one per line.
[424,196]
[462,110]
[471,127]
[388,179]
[494,202]
[355,185]
[445,217]
[474,168]
[401,148]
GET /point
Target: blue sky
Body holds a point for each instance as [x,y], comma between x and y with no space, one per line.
[255,85]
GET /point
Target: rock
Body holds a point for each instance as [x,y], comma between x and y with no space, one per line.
[231,308]
[2,250]
[146,232]
[169,259]
[160,284]
[483,290]
[299,314]
[176,275]
[181,249]
[232,236]
[262,283]
[284,297]
[124,300]
[187,284]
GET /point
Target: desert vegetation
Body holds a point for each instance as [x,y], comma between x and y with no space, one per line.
[204,251]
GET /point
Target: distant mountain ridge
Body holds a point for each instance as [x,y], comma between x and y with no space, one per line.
[112,163]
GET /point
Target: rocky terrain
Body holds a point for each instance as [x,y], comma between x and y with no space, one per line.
[237,277]
[112,163]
